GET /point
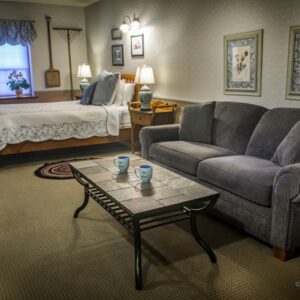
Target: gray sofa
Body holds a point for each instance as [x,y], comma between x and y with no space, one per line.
[249,154]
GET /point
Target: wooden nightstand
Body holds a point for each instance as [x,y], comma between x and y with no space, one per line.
[159,115]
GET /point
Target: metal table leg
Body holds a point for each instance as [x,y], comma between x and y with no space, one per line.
[200,241]
[138,259]
[86,194]
[193,218]
[84,204]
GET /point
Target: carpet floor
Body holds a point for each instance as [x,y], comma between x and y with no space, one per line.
[46,254]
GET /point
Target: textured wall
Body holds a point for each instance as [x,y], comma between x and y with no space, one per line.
[184,43]
[61,16]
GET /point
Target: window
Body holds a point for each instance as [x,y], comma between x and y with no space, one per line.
[16,58]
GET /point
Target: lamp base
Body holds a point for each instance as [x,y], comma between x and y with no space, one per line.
[84,85]
[145,95]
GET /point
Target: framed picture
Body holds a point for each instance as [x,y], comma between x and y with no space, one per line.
[116,34]
[117,55]
[137,45]
[293,71]
[243,63]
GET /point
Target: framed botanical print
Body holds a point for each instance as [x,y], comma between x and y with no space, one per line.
[117,55]
[137,45]
[293,71]
[243,63]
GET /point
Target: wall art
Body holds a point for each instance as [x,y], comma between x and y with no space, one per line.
[117,55]
[293,71]
[116,34]
[243,63]
[137,45]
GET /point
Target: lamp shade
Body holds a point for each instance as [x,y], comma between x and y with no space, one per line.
[135,24]
[144,75]
[84,71]
[124,27]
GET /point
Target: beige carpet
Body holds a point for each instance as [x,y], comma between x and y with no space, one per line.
[46,254]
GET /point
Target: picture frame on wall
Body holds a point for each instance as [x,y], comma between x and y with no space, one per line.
[137,45]
[116,34]
[293,70]
[243,63]
[117,54]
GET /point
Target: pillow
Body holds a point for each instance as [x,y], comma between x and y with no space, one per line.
[196,123]
[87,96]
[128,93]
[106,89]
[288,151]
[120,93]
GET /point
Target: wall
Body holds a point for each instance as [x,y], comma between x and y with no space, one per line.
[61,16]
[184,43]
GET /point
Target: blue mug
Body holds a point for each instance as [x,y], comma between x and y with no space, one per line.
[144,173]
[122,163]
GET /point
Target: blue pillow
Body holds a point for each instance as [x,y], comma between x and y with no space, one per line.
[87,96]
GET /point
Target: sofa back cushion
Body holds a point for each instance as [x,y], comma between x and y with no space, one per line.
[234,123]
[288,152]
[271,130]
[196,123]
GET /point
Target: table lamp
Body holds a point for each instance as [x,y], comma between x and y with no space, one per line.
[144,75]
[84,71]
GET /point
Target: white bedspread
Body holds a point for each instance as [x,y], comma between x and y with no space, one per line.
[38,122]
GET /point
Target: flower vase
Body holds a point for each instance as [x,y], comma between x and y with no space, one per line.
[19,93]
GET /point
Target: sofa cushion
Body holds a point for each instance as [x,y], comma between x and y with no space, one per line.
[234,123]
[183,155]
[271,130]
[249,177]
[196,123]
[288,152]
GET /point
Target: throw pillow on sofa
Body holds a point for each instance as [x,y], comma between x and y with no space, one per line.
[196,123]
[106,88]
[288,152]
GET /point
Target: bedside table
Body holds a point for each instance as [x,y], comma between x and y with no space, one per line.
[159,115]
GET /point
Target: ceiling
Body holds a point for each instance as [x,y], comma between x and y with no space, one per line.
[80,3]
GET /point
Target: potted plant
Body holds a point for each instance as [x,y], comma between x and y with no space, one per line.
[17,83]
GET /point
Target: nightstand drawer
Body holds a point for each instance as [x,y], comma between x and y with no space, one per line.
[141,118]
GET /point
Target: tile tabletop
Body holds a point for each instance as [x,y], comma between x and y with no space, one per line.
[166,188]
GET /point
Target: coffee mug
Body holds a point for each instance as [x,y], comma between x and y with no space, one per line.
[144,173]
[122,163]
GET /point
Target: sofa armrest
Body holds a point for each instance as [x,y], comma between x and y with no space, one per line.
[153,134]
[286,208]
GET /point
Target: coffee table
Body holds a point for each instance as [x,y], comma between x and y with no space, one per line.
[167,199]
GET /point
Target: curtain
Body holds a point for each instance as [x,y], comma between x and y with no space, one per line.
[17,32]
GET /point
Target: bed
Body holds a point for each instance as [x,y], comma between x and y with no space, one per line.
[22,126]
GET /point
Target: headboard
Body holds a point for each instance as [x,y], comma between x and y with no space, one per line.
[129,78]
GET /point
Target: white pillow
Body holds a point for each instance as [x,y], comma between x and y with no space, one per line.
[128,93]
[120,93]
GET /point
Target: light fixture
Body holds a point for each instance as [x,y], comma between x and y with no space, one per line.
[127,24]
[84,71]
[144,75]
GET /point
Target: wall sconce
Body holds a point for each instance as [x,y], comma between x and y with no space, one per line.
[135,24]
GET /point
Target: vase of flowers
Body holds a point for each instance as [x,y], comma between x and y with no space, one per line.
[17,83]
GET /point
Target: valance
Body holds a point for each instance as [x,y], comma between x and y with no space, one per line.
[17,32]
